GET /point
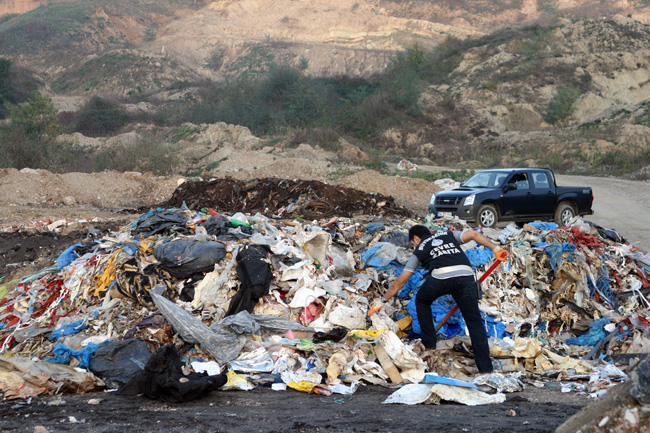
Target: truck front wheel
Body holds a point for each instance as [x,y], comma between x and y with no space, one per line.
[487,216]
[564,213]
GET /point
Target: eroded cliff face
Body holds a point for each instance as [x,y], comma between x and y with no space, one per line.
[346,37]
[8,7]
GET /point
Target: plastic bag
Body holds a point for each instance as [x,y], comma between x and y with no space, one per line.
[421,393]
[185,257]
[641,390]
[594,335]
[256,361]
[305,296]
[223,344]
[347,317]
[317,246]
[401,239]
[119,361]
[379,255]
[207,290]
[64,354]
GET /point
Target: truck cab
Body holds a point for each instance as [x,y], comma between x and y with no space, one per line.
[514,194]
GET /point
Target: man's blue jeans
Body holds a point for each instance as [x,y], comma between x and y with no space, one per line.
[465,293]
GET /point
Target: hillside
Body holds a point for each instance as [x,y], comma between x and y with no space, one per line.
[471,84]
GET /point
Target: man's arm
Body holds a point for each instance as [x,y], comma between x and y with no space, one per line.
[397,284]
[477,237]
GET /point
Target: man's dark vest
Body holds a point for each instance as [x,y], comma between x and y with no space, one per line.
[440,250]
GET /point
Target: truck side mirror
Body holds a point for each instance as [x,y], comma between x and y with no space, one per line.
[509,187]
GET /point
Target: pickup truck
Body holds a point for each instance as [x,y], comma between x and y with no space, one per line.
[513,194]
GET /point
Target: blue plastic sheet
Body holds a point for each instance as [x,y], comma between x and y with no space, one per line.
[64,354]
[594,335]
[439,308]
[479,256]
[67,257]
[456,324]
[69,329]
[380,256]
[413,284]
[555,253]
[544,226]
[373,228]
[494,327]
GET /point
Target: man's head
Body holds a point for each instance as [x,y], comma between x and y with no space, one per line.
[417,233]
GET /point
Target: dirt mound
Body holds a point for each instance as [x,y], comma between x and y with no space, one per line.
[408,192]
[307,198]
[108,189]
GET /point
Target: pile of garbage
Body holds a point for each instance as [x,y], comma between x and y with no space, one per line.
[181,302]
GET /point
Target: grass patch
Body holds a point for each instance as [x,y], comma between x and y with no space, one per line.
[181,133]
[214,165]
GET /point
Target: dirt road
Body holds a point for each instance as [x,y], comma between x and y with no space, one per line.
[620,204]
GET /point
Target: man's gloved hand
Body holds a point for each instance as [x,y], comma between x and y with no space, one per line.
[501,254]
[376,306]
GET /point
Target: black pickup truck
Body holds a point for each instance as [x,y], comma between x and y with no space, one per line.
[513,194]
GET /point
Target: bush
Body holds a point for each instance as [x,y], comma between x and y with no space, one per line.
[562,105]
[325,138]
[16,86]
[146,155]
[99,117]
[30,138]
[281,97]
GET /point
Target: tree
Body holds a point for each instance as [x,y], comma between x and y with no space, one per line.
[30,139]
[100,117]
[5,77]
[562,105]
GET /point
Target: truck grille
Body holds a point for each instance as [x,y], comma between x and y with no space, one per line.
[448,201]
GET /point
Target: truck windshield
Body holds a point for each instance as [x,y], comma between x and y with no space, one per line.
[485,179]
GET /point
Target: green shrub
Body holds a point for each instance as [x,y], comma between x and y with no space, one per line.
[16,86]
[30,138]
[99,117]
[562,105]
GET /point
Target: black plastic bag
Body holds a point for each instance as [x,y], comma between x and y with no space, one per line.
[254,271]
[163,221]
[117,362]
[335,335]
[185,257]
[641,391]
[401,239]
[163,379]
[220,226]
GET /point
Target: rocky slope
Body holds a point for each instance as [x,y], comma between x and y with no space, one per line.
[213,39]
[495,107]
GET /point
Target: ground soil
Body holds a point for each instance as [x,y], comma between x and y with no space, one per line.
[263,410]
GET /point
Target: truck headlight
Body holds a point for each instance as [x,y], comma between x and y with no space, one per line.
[469,200]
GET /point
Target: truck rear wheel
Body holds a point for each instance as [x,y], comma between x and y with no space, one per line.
[487,216]
[564,213]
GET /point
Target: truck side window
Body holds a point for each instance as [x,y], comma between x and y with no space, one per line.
[541,181]
[521,180]
[498,179]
